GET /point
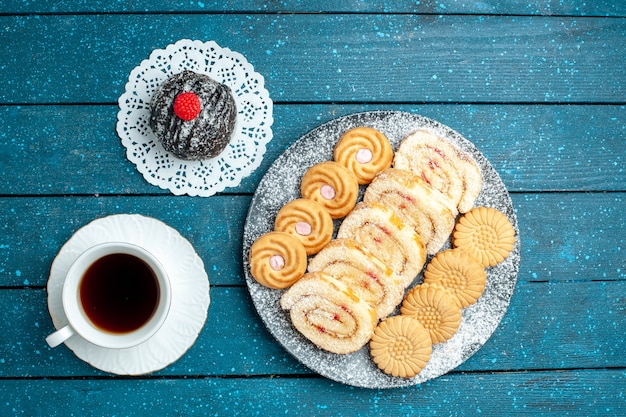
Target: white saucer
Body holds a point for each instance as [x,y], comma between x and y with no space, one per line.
[190,293]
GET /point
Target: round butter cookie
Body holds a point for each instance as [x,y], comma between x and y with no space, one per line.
[486,234]
[307,221]
[383,234]
[435,308]
[442,165]
[420,206]
[364,151]
[277,260]
[328,313]
[461,274]
[366,275]
[332,185]
[400,346]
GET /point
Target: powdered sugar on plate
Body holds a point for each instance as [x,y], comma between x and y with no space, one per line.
[281,184]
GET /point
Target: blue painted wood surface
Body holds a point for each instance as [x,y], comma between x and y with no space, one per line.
[543,393]
[565,236]
[515,7]
[320,57]
[537,85]
[533,147]
[583,332]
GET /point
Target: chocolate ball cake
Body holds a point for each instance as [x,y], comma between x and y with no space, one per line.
[193,116]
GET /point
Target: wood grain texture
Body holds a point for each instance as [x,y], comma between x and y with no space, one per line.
[558,326]
[570,393]
[76,150]
[564,236]
[537,85]
[27,252]
[514,7]
[321,58]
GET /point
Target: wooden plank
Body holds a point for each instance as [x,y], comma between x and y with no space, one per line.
[329,58]
[563,236]
[515,7]
[27,251]
[572,236]
[558,326]
[577,392]
[232,342]
[66,149]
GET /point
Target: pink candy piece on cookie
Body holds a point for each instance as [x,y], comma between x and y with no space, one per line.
[277,262]
[363,156]
[327,191]
[303,228]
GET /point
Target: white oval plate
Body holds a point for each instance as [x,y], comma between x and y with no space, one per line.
[281,184]
[190,293]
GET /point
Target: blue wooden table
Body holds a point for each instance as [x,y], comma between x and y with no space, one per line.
[539,86]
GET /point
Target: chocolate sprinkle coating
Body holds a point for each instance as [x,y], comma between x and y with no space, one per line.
[209,133]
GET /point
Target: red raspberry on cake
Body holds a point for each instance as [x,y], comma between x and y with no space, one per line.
[193,116]
[187,106]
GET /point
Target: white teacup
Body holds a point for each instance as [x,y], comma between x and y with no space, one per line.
[115,295]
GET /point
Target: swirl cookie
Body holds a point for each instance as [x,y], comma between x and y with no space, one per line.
[401,346]
[417,204]
[329,314]
[486,234]
[364,151]
[332,185]
[307,221]
[442,165]
[277,260]
[461,274]
[435,308]
[383,234]
[367,276]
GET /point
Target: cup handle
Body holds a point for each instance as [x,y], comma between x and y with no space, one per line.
[60,336]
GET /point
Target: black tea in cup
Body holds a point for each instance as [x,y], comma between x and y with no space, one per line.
[119,293]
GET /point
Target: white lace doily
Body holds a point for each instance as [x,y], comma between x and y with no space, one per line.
[252,130]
